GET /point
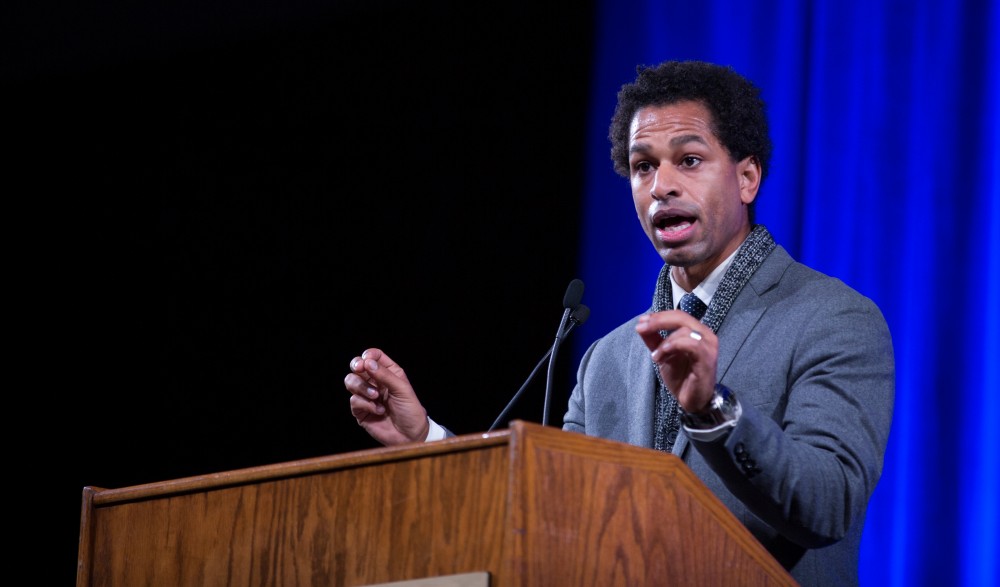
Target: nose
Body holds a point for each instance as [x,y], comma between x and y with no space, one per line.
[664,183]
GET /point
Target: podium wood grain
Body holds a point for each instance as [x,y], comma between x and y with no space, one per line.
[531,505]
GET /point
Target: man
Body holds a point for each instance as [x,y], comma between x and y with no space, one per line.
[779,397]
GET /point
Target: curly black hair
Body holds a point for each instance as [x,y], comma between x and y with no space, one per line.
[739,119]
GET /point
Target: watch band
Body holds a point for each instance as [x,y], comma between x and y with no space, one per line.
[723,409]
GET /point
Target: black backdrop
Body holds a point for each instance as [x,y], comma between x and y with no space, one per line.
[229,202]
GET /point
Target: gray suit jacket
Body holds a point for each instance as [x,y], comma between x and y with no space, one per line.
[811,363]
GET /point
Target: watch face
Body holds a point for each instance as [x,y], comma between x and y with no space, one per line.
[724,410]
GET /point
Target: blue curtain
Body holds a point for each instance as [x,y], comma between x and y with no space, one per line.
[886,174]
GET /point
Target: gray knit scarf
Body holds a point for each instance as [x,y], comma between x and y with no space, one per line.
[752,253]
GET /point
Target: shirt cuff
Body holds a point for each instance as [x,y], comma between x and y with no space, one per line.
[436,431]
[703,435]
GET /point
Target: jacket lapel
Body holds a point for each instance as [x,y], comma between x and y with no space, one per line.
[744,315]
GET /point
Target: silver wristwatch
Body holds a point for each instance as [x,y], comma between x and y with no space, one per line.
[724,408]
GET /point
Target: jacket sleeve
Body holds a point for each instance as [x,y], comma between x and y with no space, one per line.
[807,452]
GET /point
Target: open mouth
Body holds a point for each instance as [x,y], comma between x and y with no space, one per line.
[672,223]
[675,224]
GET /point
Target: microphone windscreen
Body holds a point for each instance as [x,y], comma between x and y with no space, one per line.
[574,293]
[580,314]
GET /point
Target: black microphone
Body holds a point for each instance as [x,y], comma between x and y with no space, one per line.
[572,297]
[577,317]
[574,293]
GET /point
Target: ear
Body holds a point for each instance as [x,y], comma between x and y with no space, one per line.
[749,171]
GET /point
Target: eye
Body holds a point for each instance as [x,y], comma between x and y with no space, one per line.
[690,161]
[642,167]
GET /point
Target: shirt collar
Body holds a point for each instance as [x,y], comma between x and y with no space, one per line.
[706,289]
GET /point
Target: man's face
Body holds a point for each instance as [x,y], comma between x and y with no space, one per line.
[691,198]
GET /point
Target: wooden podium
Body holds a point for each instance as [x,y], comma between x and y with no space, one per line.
[526,506]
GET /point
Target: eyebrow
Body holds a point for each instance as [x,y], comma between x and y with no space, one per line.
[685,139]
[674,143]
